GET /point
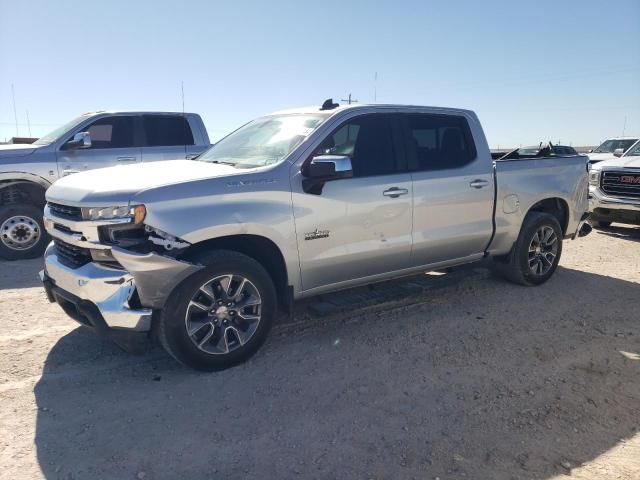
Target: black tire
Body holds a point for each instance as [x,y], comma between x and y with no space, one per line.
[515,267]
[10,250]
[172,324]
[599,224]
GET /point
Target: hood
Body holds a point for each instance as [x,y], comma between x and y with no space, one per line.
[116,185]
[599,157]
[17,150]
[622,162]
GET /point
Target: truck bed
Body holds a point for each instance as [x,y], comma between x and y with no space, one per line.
[521,183]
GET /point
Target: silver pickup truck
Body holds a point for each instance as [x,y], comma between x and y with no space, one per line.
[205,253]
[93,140]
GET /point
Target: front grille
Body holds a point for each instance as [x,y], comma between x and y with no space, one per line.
[65,211]
[70,255]
[621,184]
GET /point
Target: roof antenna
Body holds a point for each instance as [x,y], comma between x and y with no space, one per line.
[329,105]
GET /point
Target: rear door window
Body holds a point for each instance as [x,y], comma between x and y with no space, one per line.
[437,142]
[167,131]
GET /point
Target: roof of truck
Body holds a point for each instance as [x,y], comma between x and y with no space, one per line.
[359,106]
[622,138]
[136,112]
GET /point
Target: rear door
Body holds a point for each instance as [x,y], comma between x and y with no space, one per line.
[361,226]
[113,142]
[167,137]
[452,188]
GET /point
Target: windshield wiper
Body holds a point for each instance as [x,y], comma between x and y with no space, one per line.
[223,162]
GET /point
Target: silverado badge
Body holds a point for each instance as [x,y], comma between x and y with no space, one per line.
[316,234]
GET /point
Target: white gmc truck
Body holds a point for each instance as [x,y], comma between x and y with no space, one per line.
[93,140]
[206,252]
[614,189]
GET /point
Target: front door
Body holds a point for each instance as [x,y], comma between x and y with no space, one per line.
[113,142]
[361,226]
[452,188]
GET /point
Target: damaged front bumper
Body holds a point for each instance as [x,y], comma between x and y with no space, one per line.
[109,298]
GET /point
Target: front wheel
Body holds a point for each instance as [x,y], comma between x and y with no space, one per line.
[219,316]
[536,253]
[22,233]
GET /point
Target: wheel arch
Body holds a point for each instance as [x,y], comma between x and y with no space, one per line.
[555,206]
[16,191]
[261,249]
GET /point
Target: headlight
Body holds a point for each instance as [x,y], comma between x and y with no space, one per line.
[594,177]
[136,213]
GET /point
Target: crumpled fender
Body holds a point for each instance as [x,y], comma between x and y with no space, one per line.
[154,275]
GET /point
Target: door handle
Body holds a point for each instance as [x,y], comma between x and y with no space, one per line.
[69,171]
[395,192]
[478,183]
[126,159]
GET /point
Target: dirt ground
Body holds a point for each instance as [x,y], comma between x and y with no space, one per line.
[454,376]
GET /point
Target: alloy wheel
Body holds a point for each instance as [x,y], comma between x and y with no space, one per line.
[223,314]
[543,250]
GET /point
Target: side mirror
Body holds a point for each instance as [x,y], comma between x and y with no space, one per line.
[329,167]
[80,140]
[324,168]
[590,150]
[618,152]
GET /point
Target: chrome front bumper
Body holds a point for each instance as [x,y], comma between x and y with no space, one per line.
[110,290]
[598,200]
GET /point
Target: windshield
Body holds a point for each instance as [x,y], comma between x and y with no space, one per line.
[634,152]
[610,146]
[53,136]
[264,141]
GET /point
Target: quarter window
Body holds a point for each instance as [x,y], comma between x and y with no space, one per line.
[437,142]
[368,141]
[167,131]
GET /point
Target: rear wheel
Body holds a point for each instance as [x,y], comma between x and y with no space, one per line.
[221,315]
[22,233]
[536,254]
[599,224]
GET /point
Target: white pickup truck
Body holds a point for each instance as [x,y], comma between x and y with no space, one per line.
[611,148]
[301,202]
[614,189]
[93,140]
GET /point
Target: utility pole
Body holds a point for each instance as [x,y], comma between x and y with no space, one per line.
[15,114]
[28,123]
[375,88]
[349,100]
[624,128]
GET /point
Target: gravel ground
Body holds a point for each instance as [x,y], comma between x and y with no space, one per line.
[461,375]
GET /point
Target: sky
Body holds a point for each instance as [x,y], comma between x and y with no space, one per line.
[533,71]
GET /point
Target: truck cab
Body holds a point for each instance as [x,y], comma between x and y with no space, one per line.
[92,140]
